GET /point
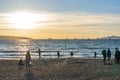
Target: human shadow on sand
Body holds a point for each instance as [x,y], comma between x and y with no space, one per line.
[29,75]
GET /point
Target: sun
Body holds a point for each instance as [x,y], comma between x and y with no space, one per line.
[25,20]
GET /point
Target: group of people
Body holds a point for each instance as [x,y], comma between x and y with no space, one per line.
[71,54]
[107,53]
[27,60]
[28,57]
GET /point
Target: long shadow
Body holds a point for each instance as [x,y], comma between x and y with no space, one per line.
[29,75]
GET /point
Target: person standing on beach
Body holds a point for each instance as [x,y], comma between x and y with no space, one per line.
[104,55]
[109,54]
[58,54]
[71,54]
[28,59]
[39,51]
[95,54]
[117,55]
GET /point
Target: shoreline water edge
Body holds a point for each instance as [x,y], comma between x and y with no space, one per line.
[12,49]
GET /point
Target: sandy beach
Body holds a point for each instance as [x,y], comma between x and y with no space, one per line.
[60,69]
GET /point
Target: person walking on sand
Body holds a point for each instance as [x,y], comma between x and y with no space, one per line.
[109,54]
[28,59]
[39,51]
[104,55]
[117,55]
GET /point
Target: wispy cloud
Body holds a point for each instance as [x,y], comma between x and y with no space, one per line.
[83,19]
[72,19]
[74,24]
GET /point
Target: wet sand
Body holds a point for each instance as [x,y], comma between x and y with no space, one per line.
[60,69]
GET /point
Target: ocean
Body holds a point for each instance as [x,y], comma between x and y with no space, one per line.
[16,49]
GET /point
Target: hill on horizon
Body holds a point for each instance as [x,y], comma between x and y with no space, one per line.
[111,37]
[13,37]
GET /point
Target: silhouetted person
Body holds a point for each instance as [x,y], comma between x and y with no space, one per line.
[28,59]
[20,62]
[71,54]
[108,54]
[39,51]
[117,55]
[58,54]
[104,55]
[95,54]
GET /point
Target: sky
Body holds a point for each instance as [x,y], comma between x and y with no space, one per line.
[60,19]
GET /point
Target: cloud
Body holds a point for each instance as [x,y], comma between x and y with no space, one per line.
[83,19]
[76,19]
[75,24]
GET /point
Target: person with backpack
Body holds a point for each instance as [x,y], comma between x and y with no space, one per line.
[104,55]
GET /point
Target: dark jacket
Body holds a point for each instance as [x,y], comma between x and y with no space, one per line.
[108,53]
[104,53]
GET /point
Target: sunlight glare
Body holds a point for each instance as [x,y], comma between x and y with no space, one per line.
[26,20]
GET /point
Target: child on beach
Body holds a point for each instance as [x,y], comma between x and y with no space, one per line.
[20,62]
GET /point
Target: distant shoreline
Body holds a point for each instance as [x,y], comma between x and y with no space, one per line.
[17,37]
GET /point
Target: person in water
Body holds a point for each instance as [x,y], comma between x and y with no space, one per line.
[39,51]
